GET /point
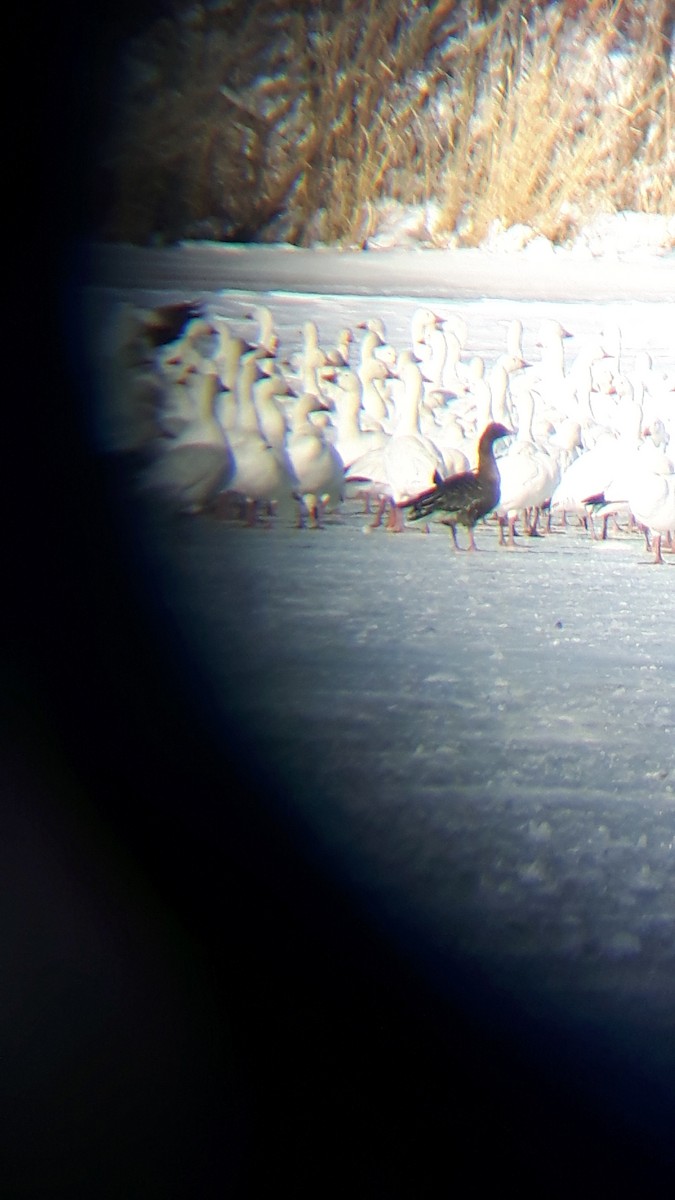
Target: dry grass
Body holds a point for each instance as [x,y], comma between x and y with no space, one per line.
[557,130]
[366,111]
[250,120]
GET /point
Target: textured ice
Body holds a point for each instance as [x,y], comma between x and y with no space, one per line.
[481,748]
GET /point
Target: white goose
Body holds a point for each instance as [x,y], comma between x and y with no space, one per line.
[408,463]
[453,380]
[374,325]
[456,449]
[268,394]
[455,323]
[433,365]
[311,361]
[649,461]
[350,440]
[552,338]
[547,378]
[192,468]
[412,458]
[182,367]
[422,320]
[338,355]
[228,353]
[454,371]
[498,383]
[657,389]
[317,465]
[651,499]
[528,475]
[474,411]
[610,459]
[268,338]
[262,473]
[372,372]
[611,341]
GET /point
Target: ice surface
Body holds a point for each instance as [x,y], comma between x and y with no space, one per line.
[484,745]
[481,748]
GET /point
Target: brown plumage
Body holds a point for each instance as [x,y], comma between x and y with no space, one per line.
[166,323]
[463,499]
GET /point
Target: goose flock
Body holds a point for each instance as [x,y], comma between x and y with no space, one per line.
[227,424]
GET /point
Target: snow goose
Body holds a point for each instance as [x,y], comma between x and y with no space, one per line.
[456,324]
[368,345]
[580,385]
[372,372]
[338,355]
[351,441]
[550,370]
[657,390]
[226,411]
[456,449]
[178,407]
[411,457]
[454,379]
[422,320]
[464,499]
[611,342]
[374,325]
[648,492]
[564,444]
[475,411]
[268,338]
[455,371]
[656,443]
[408,461]
[268,394]
[378,346]
[552,338]
[498,383]
[198,339]
[388,356]
[433,365]
[181,364]
[308,364]
[262,473]
[228,353]
[317,466]
[649,459]
[610,460]
[455,387]
[528,476]
[192,468]
[576,397]
[547,377]
[651,499]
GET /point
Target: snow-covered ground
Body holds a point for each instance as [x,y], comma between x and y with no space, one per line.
[480,749]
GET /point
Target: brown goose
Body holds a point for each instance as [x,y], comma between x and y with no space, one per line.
[463,499]
[166,323]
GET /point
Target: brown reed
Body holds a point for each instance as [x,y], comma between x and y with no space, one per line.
[255,121]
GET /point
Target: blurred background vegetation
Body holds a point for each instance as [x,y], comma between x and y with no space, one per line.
[255,119]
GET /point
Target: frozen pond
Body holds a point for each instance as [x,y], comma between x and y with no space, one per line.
[479,749]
